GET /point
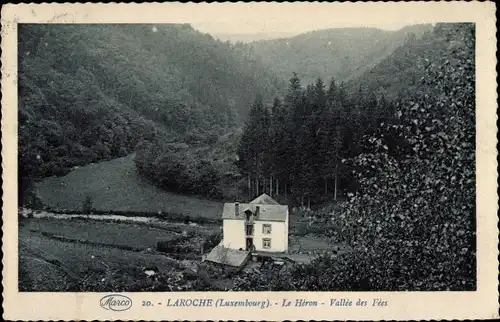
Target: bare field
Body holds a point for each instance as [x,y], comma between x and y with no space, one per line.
[120,234]
[88,255]
[46,262]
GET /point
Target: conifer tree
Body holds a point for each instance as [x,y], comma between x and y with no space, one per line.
[279,146]
[250,148]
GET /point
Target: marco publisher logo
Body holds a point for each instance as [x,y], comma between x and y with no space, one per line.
[116,302]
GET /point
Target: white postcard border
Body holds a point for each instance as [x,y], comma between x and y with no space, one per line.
[481,304]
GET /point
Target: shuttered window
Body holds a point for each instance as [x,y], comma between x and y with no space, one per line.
[266,243]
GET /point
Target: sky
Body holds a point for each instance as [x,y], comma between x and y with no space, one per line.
[252,18]
[230,27]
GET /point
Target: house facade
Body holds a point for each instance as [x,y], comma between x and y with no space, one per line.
[261,225]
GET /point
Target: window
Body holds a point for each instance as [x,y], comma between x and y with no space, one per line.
[266,229]
[266,243]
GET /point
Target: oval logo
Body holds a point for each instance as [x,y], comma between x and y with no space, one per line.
[116,302]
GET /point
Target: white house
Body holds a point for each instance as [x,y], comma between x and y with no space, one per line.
[261,225]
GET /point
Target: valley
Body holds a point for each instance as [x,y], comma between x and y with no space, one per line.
[127,158]
[344,54]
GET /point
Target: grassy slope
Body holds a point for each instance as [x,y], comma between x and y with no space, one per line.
[114,185]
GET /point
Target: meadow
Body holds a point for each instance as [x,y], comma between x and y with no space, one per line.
[115,186]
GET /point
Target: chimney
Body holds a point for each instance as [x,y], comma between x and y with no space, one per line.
[257,211]
[236,209]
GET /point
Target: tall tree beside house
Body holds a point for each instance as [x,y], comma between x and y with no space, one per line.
[288,119]
[280,151]
[295,105]
[265,169]
[309,145]
[274,140]
[330,139]
[253,149]
[267,149]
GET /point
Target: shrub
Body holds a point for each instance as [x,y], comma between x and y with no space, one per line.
[27,194]
[87,206]
[172,245]
[179,170]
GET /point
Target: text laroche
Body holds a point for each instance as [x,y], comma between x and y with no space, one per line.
[190,302]
[217,303]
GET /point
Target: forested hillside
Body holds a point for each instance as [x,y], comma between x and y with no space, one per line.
[401,71]
[411,222]
[342,53]
[92,92]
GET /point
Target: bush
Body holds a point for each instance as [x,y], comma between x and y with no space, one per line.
[87,205]
[27,194]
[420,210]
[179,170]
[173,245]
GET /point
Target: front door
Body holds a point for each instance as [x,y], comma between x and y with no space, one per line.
[249,245]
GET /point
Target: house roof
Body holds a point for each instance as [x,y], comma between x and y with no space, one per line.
[264,199]
[266,212]
[227,256]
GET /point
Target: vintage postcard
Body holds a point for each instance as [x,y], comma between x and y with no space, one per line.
[249,161]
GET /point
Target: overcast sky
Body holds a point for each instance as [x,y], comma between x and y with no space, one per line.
[250,18]
[229,27]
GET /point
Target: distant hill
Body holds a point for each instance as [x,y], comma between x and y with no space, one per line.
[92,92]
[343,53]
[251,37]
[400,73]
